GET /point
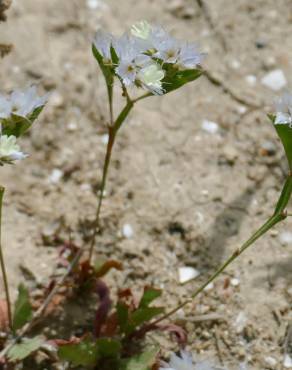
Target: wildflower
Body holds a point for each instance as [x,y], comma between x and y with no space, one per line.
[141,30]
[189,56]
[9,150]
[151,77]
[284,110]
[131,59]
[168,48]
[21,103]
[103,41]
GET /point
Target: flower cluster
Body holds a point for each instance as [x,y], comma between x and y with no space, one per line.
[17,113]
[21,103]
[284,110]
[145,56]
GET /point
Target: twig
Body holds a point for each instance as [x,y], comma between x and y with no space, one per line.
[216,335]
[45,304]
[204,8]
[227,90]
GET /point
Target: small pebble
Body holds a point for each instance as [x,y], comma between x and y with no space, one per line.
[241,109]
[230,154]
[93,4]
[210,286]
[72,126]
[240,322]
[251,80]
[270,361]
[56,99]
[234,64]
[260,44]
[274,80]
[104,139]
[285,237]
[268,148]
[128,231]
[209,126]
[287,363]
[187,273]
[55,176]
[234,282]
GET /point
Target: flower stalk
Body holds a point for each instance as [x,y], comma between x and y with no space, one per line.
[112,131]
[2,263]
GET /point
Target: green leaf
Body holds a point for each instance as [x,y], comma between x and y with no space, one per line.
[150,294]
[139,317]
[122,315]
[284,132]
[284,197]
[145,314]
[144,361]
[108,347]
[107,72]
[84,353]
[23,309]
[18,125]
[23,349]
[174,81]
[123,115]
[15,125]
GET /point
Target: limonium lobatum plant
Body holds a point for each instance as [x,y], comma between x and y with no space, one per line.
[18,111]
[146,59]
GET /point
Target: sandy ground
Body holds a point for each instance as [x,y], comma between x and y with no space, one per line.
[191,196]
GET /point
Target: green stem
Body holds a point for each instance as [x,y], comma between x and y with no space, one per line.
[112,136]
[279,215]
[3,269]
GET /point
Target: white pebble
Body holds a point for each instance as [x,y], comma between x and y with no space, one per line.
[209,126]
[56,99]
[240,322]
[104,139]
[270,361]
[287,363]
[235,64]
[187,273]
[72,126]
[275,80]
[285,237]
[93,4]
[234,282]
[55,176]
[210,286]
[128,231]
[251,80]
[241,109]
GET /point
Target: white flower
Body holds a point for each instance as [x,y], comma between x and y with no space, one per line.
[9,150]
[131,59]
[185,362]
[189,56]
[141,30]
[168,48]
[21,103]
[284,110]
[5,107]
[103,41]
[151,77]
